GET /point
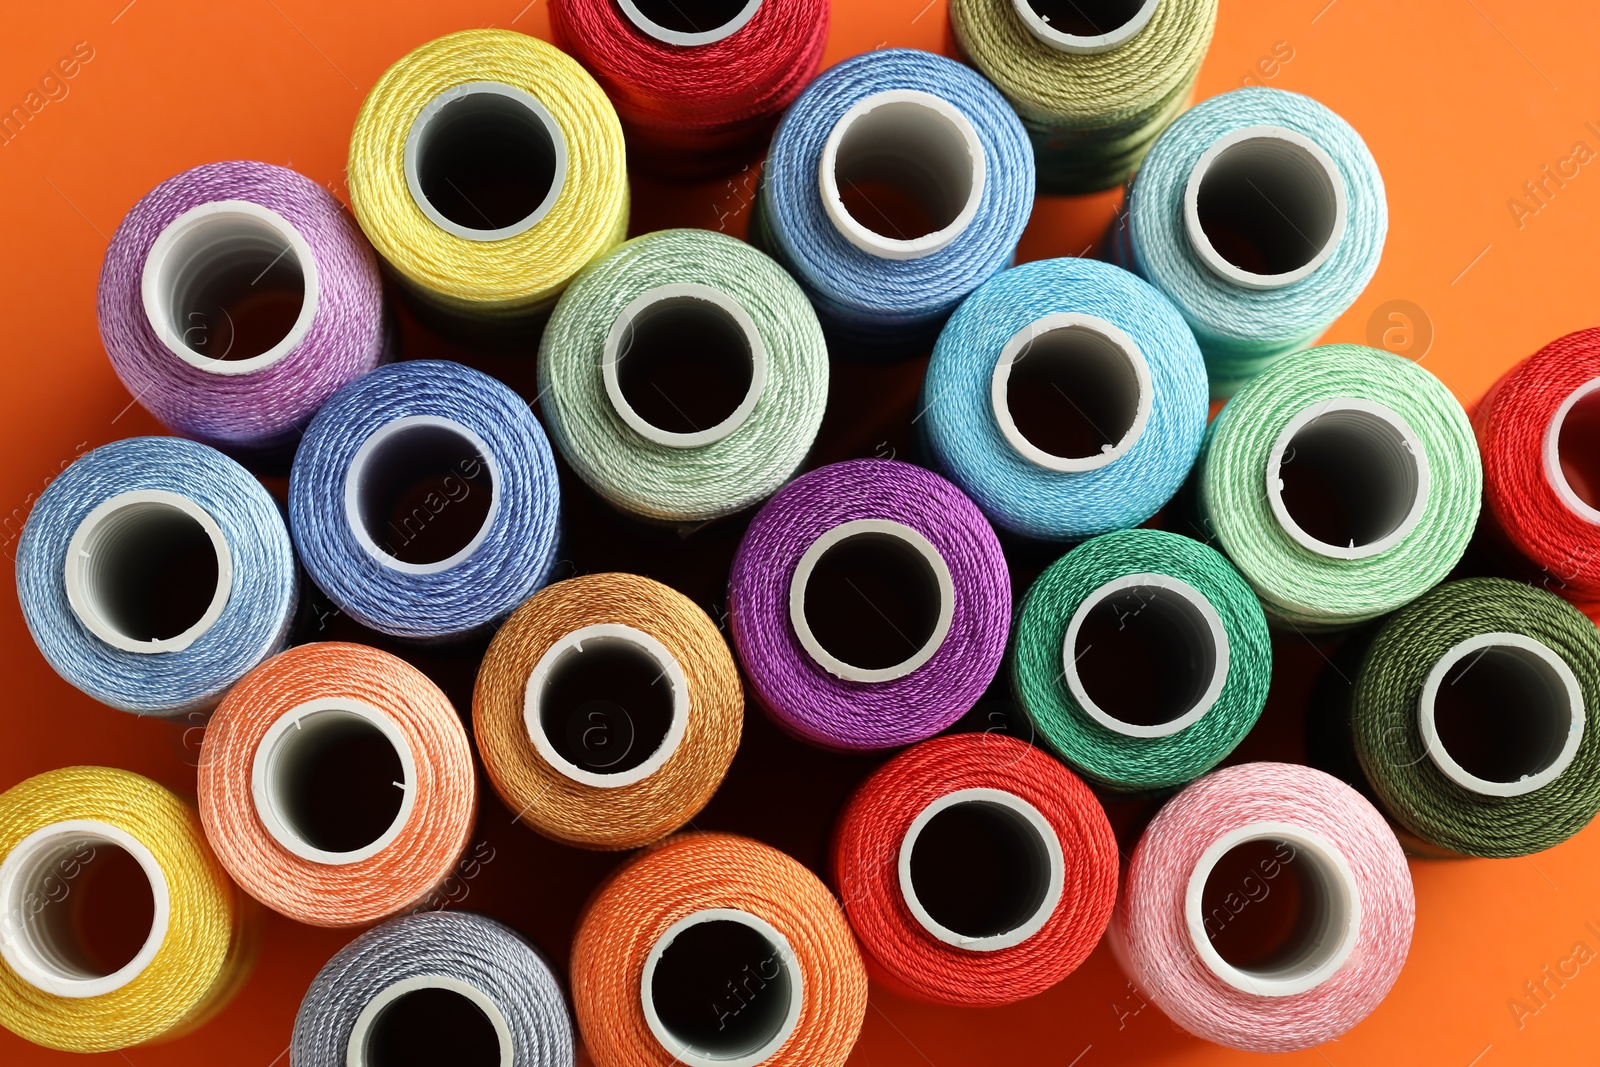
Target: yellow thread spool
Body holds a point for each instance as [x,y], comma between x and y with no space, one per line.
[52,828]
[488,168]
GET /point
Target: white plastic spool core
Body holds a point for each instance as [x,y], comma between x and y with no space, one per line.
[1085,27]
[372,1044]
[702,337]
[124,554]
[916,143]
[1329,921]
[1182,630]
[391,460]
[1032,853]
[689,23]
[499,142]
[218,280]
[1090,363]
[1360,456]
[38,939]
[1272,199]
[298,755]
[740,966]
[597,695]
[1533,694]
[1585,399]
[912,569]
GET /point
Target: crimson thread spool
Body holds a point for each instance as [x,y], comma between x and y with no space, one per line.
[1539,432]
[716,951]
[975,870]
[698,84]
[336,784]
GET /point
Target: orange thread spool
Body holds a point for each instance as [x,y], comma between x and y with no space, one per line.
[607,710]
[717,951]
[336,784]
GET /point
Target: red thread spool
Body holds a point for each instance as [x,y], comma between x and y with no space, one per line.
[975,870]
[698,84]
[1539,431]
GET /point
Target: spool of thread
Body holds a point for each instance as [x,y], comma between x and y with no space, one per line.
[716,951]
[488,168]
[1142,659]
[1476,717]
[153,573]
[607,711]
[898,183]
[1343,482]
[975,869]
[1067,398]
[1261,215]
[684,376]
[1095,82]
[869,602]
[424,501]
[336,784]
[81,849]
[1539,430]
[234,299]
[698,84]
[1253,847]
[439,986]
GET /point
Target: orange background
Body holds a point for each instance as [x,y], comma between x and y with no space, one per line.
[1462,101]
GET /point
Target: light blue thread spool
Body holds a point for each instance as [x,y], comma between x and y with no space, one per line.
[898,125]
[1261,214]
[1067,398]
[423,501]
[154,573]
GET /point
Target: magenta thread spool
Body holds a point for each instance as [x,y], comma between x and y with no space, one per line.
[869,604]
[234,299]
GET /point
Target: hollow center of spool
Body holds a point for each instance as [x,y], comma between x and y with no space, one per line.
[148,571]
[86,908]
[1085,26]
[1145,655]
[721,989]
[429,1026]
[902,174]
[230,287]
[1264,207]
[1572,451]
[485,160]
[981,869]
[1501,714]
[871,600]
[606,705]
[1347,478]
[689,22]
[421,494]
[684,365]
[333,781]
[1071,392]
[1273,910]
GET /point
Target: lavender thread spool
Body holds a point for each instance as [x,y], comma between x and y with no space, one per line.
[234,299]
[869,604]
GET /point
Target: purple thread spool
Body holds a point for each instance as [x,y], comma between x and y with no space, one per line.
[869,604]
[237,297]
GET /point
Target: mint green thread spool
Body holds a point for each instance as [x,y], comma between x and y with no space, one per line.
[683,376]
[1142,658]
[1342,482]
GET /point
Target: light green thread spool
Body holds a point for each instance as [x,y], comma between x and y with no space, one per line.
[1142,658]
[1095,82]
[683,376]
[1342,482]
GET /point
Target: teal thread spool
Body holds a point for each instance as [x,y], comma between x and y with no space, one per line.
[1342,482]
[1142,658]
[683,376]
